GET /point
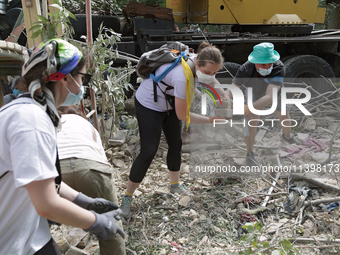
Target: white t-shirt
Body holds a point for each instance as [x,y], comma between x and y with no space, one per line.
[174,78]
[79,139]
[28,151]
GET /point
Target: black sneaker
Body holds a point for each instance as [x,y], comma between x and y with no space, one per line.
[251,161]
[290,140]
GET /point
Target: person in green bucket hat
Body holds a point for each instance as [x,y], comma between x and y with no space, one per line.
[263,72]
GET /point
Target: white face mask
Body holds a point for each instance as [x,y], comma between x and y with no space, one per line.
[204,78]
[265,72]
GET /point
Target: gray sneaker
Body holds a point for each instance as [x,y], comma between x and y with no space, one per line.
[126,206]
[290,140]
[251,160]
[181,190]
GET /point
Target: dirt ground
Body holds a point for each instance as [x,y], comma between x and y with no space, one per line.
[231,214]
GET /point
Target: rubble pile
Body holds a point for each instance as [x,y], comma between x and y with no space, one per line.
[268,213]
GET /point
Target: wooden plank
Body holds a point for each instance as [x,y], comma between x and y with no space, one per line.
[31,10]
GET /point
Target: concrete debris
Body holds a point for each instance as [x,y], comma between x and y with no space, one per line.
[74,236]
[212,215]
[273,226]
[75,251]
[118,163]
[319,157]
[225,110]
[260,135]
[310,124]
[301,136]
[184,201]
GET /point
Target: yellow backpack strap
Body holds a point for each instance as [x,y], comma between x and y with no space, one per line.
[189,82]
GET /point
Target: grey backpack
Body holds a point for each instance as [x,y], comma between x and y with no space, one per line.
[153,59]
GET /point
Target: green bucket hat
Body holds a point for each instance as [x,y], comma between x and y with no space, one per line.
[263,53]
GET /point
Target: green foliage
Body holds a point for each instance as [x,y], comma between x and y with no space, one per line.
[47,27]
[253,246]
[109,90]
[131,124]
[106,7]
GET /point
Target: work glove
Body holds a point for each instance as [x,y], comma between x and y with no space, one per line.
[246,110]
[99,205]
[106,226]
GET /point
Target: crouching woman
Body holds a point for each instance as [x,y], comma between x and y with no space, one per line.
[52,76]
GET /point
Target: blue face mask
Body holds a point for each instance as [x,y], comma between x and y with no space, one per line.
[71,98]
[17,92]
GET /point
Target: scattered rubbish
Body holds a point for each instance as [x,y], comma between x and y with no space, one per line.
[120,139]
[329,206]
[296,197]
[165,219]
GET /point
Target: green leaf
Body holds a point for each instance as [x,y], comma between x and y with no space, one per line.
[259,225]
[49,32]
[249,251]
[254,244]
[276,252]
[36,33]
[265,245]
[57,2]
[44,35]
[286,243]
[250,229]
[250,238]
[72,15]
[40,22]
[42,18]
[57,6]
[35,27]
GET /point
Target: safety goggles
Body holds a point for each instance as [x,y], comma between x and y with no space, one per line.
[86,78]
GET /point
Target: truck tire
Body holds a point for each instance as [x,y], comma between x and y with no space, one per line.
[79,25]
[223,76]
[310,70]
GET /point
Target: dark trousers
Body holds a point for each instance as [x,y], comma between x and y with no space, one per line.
[151,123]
[51,248]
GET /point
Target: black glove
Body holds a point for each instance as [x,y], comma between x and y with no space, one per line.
[105,225]
[99,205]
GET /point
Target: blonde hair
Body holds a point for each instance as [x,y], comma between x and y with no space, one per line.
[208,53]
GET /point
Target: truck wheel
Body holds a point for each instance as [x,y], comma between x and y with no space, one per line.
[223,76]
[310,70]
[79,25]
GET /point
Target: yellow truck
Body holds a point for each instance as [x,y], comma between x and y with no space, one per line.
[289,24]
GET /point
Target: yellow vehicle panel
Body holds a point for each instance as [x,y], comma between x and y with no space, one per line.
[248,12]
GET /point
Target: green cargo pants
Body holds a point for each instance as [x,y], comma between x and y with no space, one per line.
[94,179]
